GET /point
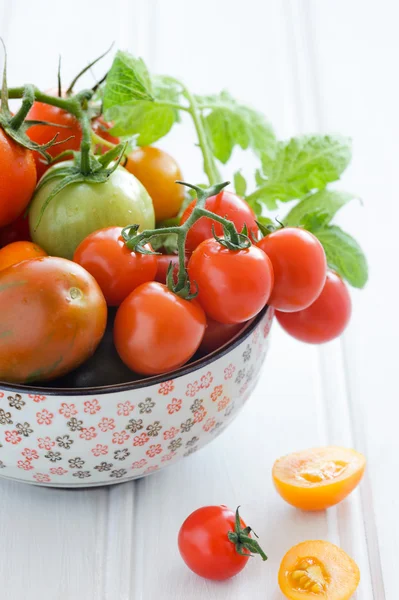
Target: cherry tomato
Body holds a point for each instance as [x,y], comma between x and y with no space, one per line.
[318,569]
[227,205]
[217,335]
[164,261]
[101,128]
[44,133]
[206,546]
[233,285]
[17,252]
[323,320]
[52,318]
[17,179]
[300,267]
[16,231]
[158,172]
[156,331]
[117,270]
[318,478]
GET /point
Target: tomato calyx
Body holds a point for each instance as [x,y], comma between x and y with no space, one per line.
[245,545]
[232,239]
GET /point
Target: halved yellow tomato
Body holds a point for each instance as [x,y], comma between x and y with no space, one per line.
[318,478]
[318,569]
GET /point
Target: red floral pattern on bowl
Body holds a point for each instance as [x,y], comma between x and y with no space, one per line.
[111,434]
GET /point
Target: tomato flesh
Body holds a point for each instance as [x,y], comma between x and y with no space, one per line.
[52,318]
[117,270]
[17,179]
[318,478]
[323,320]
[156,331]
[318,569]
[233,285]
[300,268]
[226,205]
[205,547]
[17,252]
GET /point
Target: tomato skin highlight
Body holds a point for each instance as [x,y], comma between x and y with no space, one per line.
[158,172]
[17,231]
[318,569]
[218,334]
[226,205]
[41,134]
[52,318]
[17,252]
[233,285]
[117,270]
[17,179]
[205,547]
[156,331]
[323,320]
[318,478]
[300,268]
[82,208]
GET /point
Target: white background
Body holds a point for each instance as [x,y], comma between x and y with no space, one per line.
[310,65]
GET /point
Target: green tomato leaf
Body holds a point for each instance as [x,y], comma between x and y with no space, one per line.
[302,164]
[230,124]
[344,255]
[138,104]
[240,185]
[319,209]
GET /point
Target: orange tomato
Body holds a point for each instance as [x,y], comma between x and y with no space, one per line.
[52,318]
[19,251]
[318,478]
[318,569]
[158,172]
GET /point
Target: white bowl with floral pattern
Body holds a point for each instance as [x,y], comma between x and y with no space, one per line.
[97,436]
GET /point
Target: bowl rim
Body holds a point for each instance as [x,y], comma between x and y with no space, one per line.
[148,381]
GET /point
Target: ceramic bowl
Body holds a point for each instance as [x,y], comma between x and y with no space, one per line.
[89,436]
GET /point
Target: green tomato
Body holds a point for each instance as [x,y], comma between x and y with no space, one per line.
[81,208]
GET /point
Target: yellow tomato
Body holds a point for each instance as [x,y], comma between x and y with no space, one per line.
[318,478]
[17,252]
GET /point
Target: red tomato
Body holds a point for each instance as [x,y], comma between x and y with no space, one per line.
[16,231]
[101,128]
[156,331]
[164,261]
[17,179]
[218,334]
[205,546]
[117,270]
[225,204]
[233,285]
[323,320]
[300,267]
[19,251]
[44,133]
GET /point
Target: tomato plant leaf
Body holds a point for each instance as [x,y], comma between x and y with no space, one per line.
[321,207]
[127,80]
[344,255]
[231,124]
[301,164]
[240,185]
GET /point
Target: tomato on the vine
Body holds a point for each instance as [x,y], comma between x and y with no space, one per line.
[17,252]
[300,267]
[41,134]
[52,318]
[17,179]
[101,128]
[117,270]
[323,320]
[217,334]
[233,285]
[17,231]
[215,543]
[163,261]
[158,172]
[226,205]
[156,331]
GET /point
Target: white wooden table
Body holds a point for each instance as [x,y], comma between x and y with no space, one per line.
[310,66]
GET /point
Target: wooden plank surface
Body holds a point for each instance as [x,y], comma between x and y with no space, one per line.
[310,66]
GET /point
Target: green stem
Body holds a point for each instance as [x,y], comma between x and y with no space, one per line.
[71,105]
[85,146]
[27,103]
